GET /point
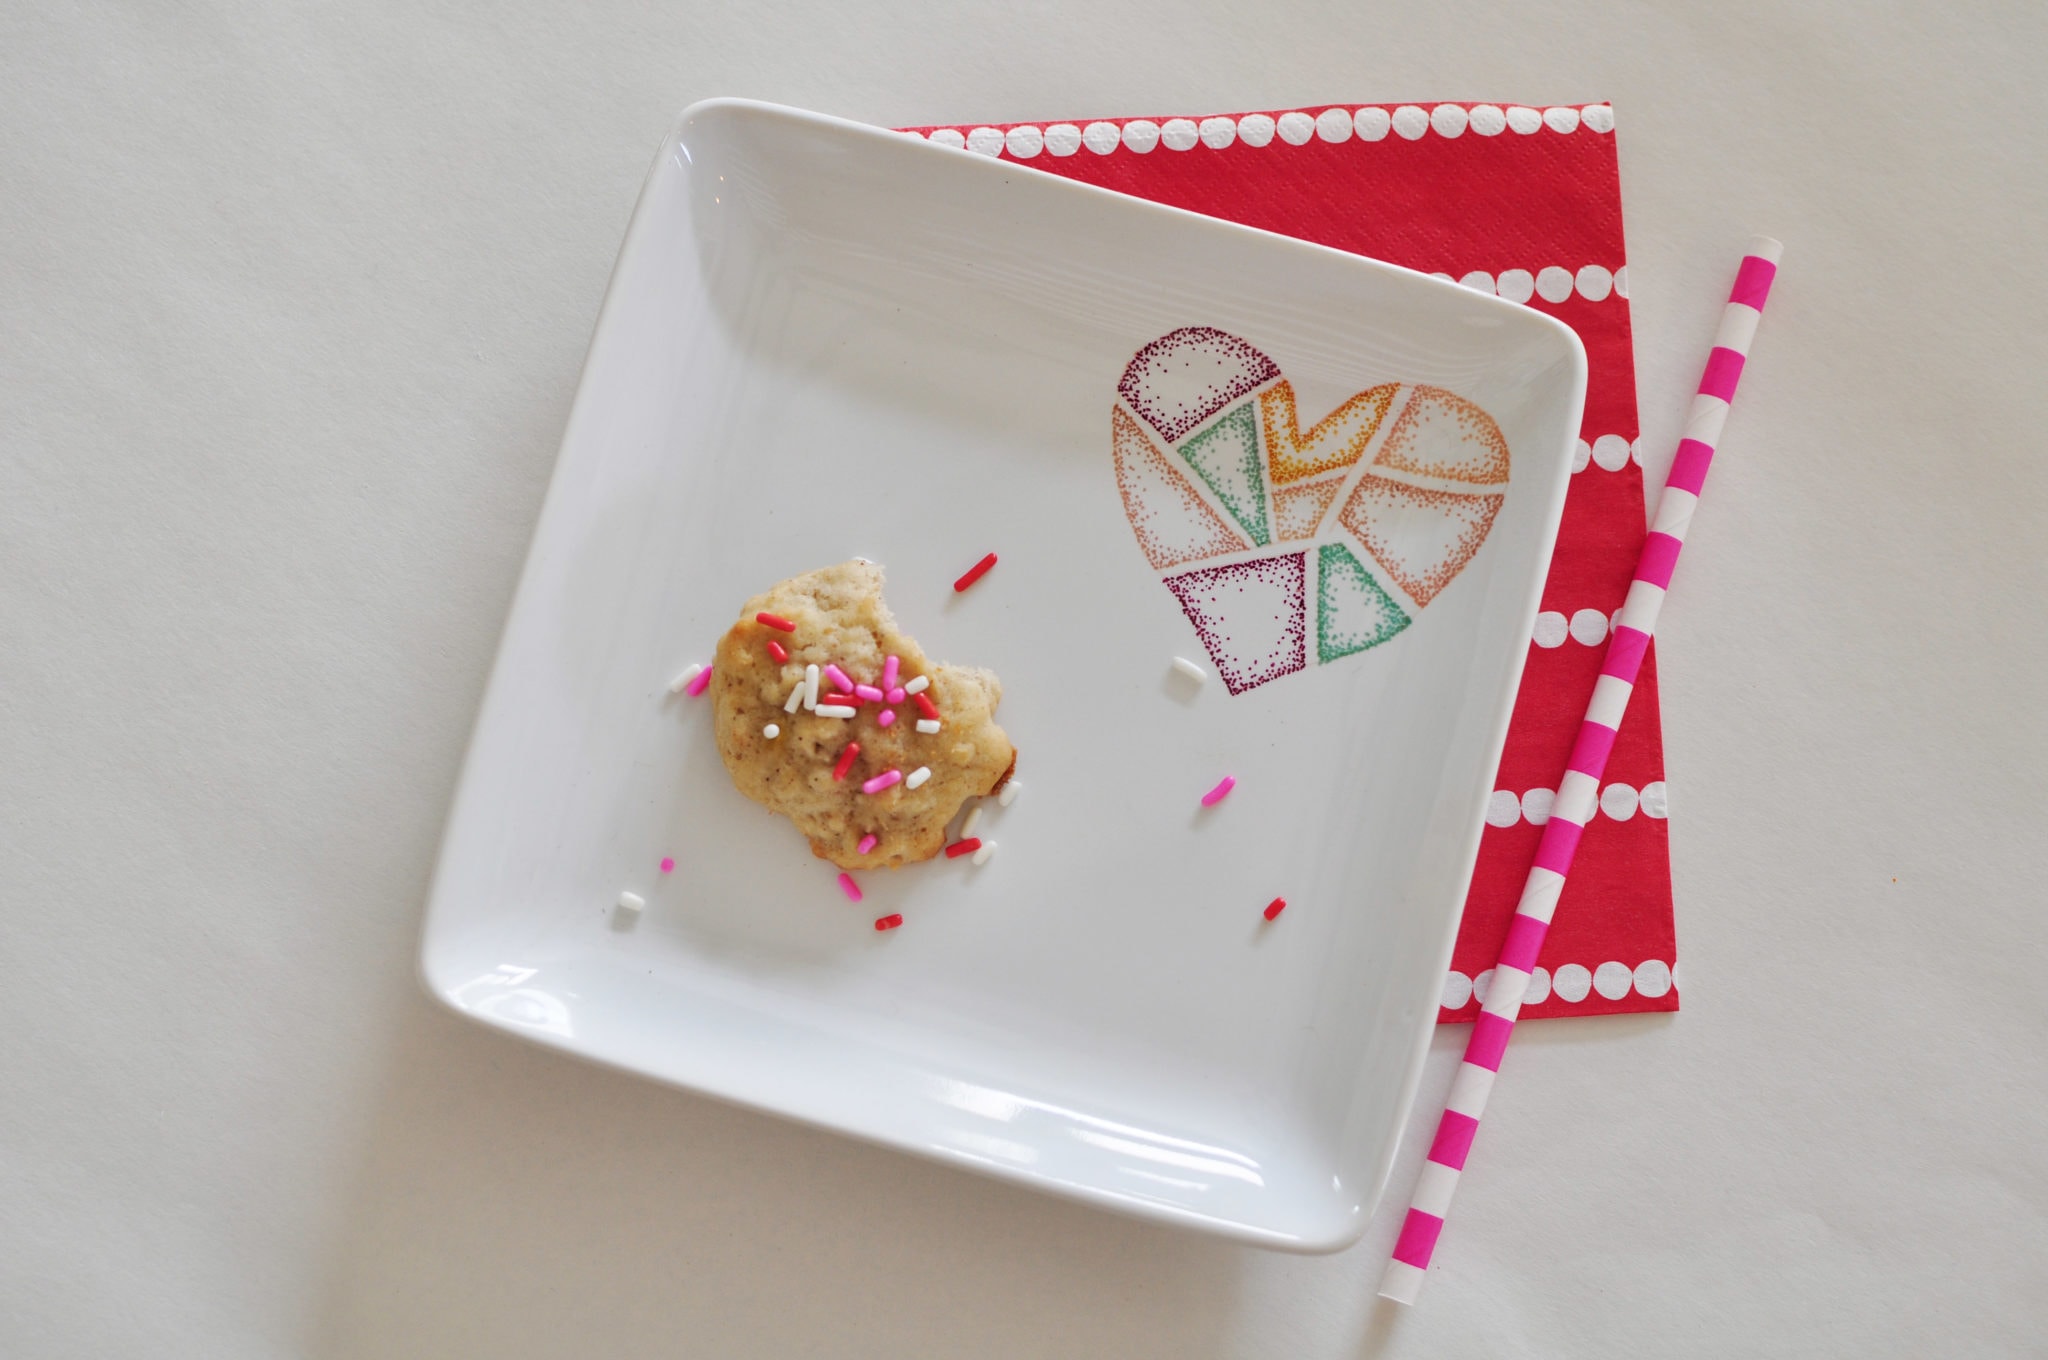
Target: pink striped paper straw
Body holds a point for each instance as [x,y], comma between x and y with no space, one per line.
[1578,792]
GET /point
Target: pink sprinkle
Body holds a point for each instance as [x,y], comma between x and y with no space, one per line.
[869,693]
[849,887]
[882,781]
[1217,794]
[668,866]
[890,666]
[885,717]
[897,695]
[867,843]
[700,684]
[839,678]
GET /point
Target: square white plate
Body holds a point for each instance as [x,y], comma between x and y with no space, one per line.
[822,341]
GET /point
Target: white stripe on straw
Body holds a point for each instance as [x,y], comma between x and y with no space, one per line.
[1578,791]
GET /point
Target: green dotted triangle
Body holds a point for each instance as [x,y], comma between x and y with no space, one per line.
[1352,612]
[1227,457]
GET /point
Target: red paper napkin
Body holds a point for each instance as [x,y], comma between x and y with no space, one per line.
[1524,202]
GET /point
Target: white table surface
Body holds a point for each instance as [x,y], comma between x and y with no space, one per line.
[292,300]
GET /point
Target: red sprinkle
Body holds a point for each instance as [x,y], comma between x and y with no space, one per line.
[1275,907]
[975,572]
[778,651]
[775,621]
[889,922]
[966,847]
[850,700]
[925,706]
[846,759]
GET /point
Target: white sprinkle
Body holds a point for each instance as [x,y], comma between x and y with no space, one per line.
[1009,793]
[918,776]
[917,686]
[682,682]
[967,822]
[834,711]
[631,901]
[988,849]
[1190,669]
[810,687]
[771,731]
[927,725]
[796,698]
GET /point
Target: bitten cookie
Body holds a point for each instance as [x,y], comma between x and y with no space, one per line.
[903,784]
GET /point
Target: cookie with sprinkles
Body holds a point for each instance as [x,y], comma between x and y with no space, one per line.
[868,791]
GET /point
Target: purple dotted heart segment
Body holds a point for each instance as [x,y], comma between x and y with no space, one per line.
[1250,615]
[1182,378]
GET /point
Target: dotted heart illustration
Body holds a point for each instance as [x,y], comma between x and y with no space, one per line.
[1309,549]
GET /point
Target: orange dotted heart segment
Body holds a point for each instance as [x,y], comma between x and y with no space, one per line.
[1421,537]
[1335,441]
[1298,510]
[1440,434]
[1172,522]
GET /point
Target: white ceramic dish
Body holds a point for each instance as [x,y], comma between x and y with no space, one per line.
[820,341]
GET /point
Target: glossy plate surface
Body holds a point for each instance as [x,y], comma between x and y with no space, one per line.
[822,341]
